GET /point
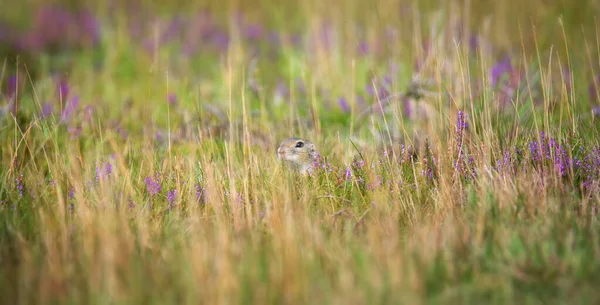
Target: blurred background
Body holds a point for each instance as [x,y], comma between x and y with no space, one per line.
[182,35]
[345,53]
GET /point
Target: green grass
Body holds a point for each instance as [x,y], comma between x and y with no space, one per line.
[243,230]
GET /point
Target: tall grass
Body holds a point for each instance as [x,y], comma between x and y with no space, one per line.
[162,186]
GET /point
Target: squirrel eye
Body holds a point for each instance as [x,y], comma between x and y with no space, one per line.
[299,144]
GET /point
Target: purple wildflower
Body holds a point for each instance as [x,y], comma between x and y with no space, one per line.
[499,69]
[62,89]
[46,109]
[296,40]
[363,48]
[281,89]
[131,203]
[172,98]
[122,132]
[30,41]
[387,80]
[171,195]
[158,137]
[75,131]
[461,126]
[567,78]
[72,193]
[370,89]
[11,85]
[428,170]
[473,43]
[253,31]
[220,40]
[20,187]
[90,27]
[534,150]
[471,165]
[152,185]
[407,106]
[97,176]
[326,36]
[199,192]
[377,91]
[172,29]
[88,111]
[70,109]
[107,169]
[53,21]
[344,104]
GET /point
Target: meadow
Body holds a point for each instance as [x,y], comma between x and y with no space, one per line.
[458,140]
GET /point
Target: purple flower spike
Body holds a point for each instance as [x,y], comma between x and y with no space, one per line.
[461,123]
[75,131]
[62,89]
[172,99]
[29,42]
[281,89]
[171,195]
[370,90]
[363,48]
[499,69]
[131,203]
[461,126]
[199,192]
[473,43]
[104,172]
[88,111]
[326,36]
[46,109]
[296,40]
[567,78]
[407,106]
[220,41]
[383,93]
[107,169]
[11,85]
[152,185]
[344,104]
[253,31]
[172,29]
[70,109]
[387,80]
[90,27]
[20,187]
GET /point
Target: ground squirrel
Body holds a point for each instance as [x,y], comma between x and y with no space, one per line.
[298,153]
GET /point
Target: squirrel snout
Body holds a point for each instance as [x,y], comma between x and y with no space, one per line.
[280,153]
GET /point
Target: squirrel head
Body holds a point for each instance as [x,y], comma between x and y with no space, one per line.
[298,153]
